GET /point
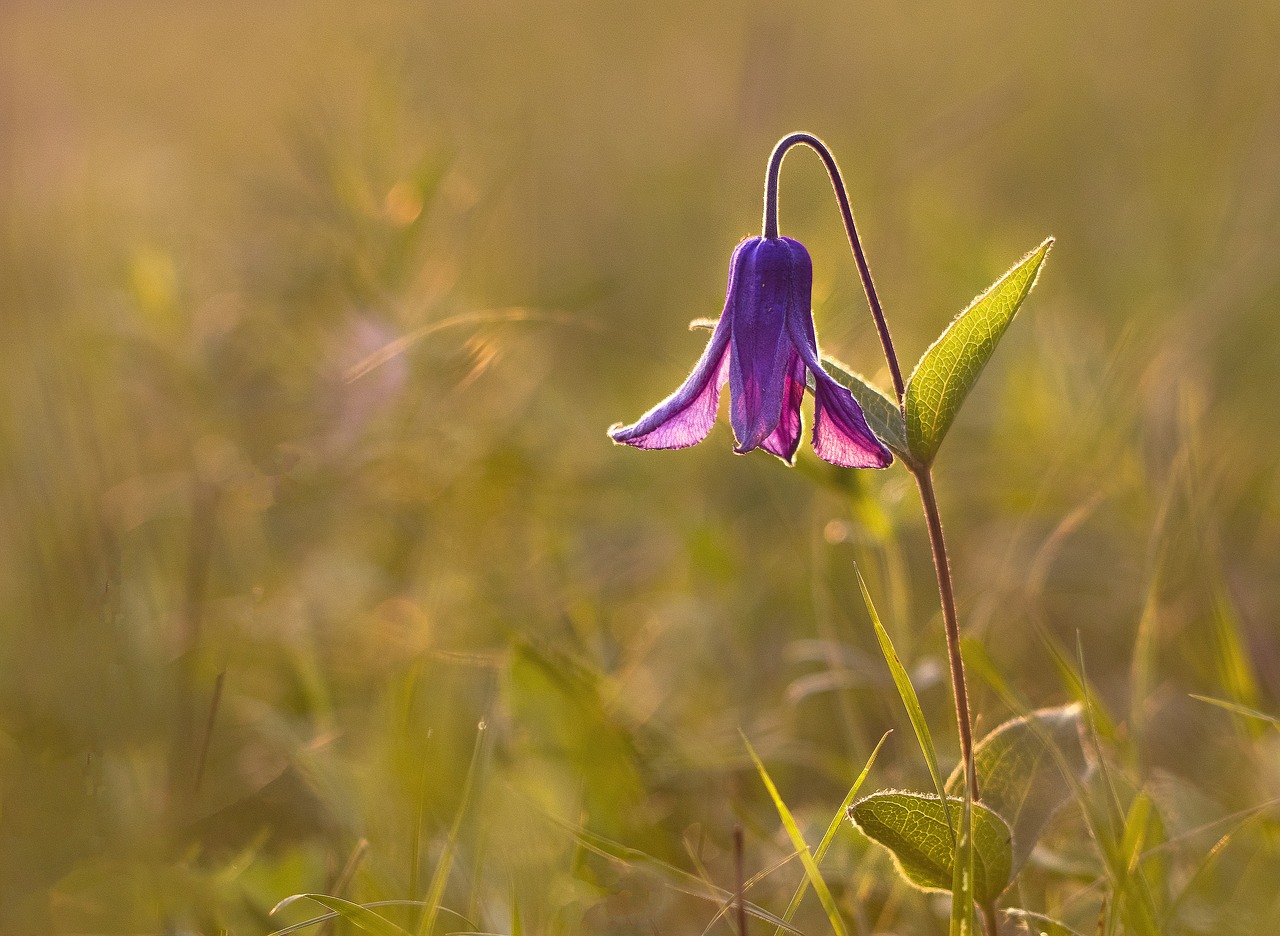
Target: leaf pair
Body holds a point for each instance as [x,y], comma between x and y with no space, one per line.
[948,370]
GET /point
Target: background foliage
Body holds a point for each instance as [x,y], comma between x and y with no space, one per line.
[212,214]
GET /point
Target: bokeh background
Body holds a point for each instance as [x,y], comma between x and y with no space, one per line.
[312,319]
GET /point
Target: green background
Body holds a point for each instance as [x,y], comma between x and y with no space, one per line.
[211,212]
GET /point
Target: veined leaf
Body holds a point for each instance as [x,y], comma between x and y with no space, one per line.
[882,413]
[949,369]
[1019,775]
[914,827]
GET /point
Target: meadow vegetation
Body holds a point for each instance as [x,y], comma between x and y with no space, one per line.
[319,574]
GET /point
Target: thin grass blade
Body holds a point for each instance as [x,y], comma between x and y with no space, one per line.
[907,693]
[356,914]
[797,841]
[836,822]
[440,877]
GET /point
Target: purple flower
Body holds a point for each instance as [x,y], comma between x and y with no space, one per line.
[763,344]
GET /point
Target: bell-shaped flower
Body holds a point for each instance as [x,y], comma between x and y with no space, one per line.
[763,345]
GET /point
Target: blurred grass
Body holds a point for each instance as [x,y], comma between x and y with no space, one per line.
[210,213]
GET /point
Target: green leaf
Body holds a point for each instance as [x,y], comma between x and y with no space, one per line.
[948,370]
[800,845]
[914,827]
[1019,774]
[353,913]
[883,414]
[906,692]
[1039,924]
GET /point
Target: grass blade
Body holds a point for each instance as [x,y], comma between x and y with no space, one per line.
[797,840]
[907,693]
[356,914]
[836,821]
[1239,709]
[962,883]
[440,878]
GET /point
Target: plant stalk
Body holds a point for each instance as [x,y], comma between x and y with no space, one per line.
[922,473]
[924,481]
[990,923]
[850,229]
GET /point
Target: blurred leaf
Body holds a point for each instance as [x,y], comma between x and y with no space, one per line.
[1239,709]
[1235,672]
[811,871]
[830,835]
[949,369]
[1039,924]
[353,913]
[1019,776]
[883,415]
[906,692]
[914,827]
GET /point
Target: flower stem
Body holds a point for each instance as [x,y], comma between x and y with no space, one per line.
[921,472]
[990,923]
[846,214]
[924,480]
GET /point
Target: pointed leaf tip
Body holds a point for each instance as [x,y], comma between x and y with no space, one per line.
[952,364]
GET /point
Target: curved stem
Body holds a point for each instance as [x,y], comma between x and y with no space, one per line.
[846,214]
[924,480]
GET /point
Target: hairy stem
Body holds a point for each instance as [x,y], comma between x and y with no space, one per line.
[990,923]
[924,480]
[846,215]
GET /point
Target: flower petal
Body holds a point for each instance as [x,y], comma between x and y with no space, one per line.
[685,417]
[840,432]
[773,278]
[786,438]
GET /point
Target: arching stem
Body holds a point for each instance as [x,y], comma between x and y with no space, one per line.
[846,214]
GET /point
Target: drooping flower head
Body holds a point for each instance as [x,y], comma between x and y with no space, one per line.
[763,344]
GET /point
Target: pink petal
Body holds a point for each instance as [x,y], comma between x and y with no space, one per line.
[785,439]
[840,432]
[685,417]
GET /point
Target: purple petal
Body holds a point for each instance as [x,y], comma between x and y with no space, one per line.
[686,416]
[784,440]
[770,278]
[840,432]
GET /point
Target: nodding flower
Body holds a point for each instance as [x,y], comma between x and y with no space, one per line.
[763,344]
